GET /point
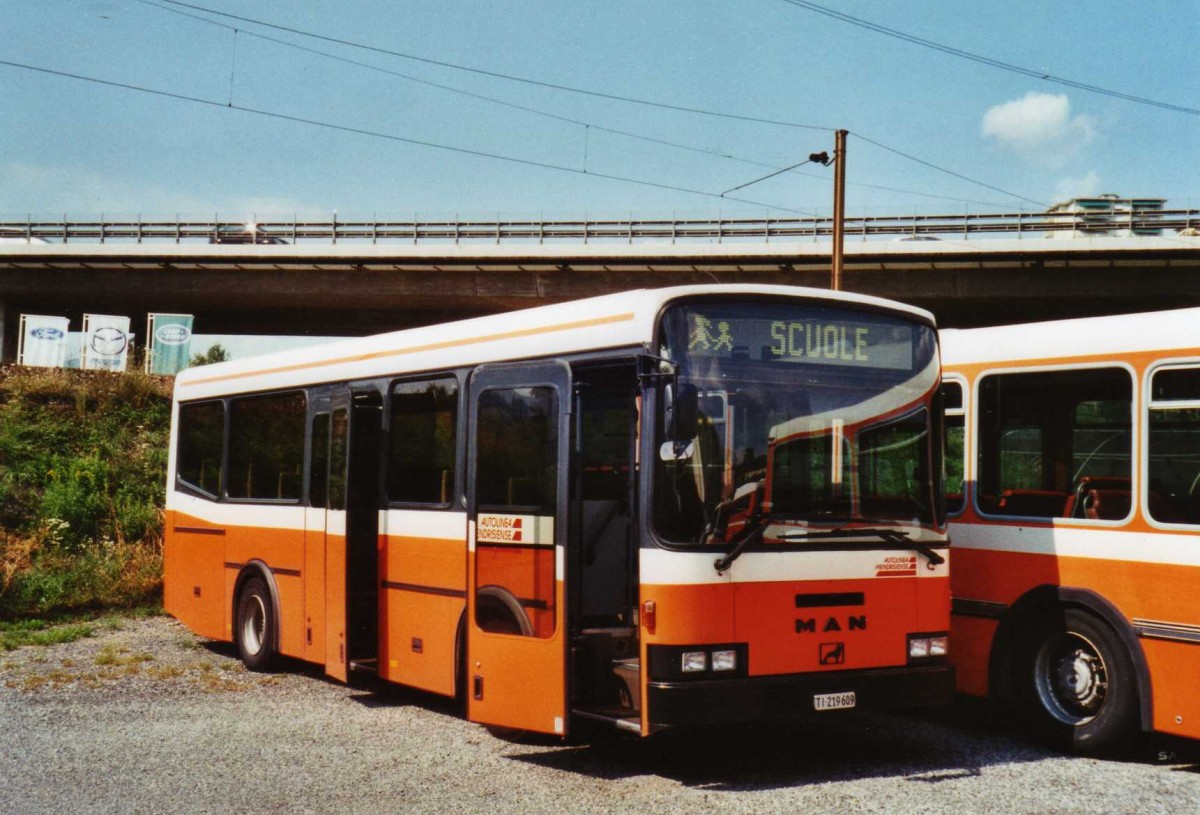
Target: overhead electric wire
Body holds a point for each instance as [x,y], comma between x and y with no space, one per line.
[393,137]
[462,92]
[765,177]
[940,169]
[983,60]
[179,3]
[509,77]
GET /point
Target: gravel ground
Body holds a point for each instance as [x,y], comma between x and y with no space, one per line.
[146,718]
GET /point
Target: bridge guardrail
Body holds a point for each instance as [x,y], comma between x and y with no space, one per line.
[963,226]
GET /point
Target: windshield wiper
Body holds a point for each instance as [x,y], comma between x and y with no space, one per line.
[892,536]
[722,564]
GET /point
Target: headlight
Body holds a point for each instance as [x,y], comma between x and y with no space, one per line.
[926,646]
[724,660]
[694,661]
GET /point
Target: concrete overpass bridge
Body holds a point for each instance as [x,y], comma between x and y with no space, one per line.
[365,278]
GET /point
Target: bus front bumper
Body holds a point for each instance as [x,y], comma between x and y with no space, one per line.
[765,698]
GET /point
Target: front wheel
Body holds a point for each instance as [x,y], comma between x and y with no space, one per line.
[256,625]
[1077,683]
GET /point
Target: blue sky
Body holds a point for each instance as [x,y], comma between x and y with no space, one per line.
[81,149]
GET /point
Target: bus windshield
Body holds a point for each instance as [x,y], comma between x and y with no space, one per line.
[809,414]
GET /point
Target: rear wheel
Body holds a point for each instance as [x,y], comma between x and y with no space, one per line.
[1077,684]
[256,625]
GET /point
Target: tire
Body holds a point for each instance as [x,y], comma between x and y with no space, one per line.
[255,628]
[1076,683]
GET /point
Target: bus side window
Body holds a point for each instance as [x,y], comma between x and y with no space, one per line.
[956,454]
[201,437]
[1173,491]
[1056,444]
[318,480]
[266,447]
[423,440]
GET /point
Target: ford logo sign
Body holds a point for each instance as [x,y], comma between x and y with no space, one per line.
[172,334]
[46,333]
[108,342]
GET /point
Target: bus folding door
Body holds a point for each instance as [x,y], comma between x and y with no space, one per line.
[517,498]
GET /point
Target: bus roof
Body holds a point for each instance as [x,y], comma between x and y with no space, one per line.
[611,321]
[1077,339]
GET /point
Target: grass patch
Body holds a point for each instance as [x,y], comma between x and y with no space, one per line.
[39,632]
[113,656]
[39,578]
[165,672]
[63,627]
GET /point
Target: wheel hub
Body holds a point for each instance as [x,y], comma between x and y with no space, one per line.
[1072,679]
[254,625]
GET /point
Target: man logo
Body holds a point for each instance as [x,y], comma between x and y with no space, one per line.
[832,653]
[108,342]
[46,333]
[172,334]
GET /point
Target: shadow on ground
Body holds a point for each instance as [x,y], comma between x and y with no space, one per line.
[926,747]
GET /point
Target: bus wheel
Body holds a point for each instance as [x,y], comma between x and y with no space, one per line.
[255,626]
[1077,683]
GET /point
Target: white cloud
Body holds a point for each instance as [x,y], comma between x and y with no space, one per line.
[1039,127]
[47,191]
[1069,188]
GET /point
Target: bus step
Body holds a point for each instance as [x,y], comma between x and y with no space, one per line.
[628,672]
[364,666]
[633,725]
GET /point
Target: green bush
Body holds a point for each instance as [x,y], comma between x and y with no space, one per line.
[82,479]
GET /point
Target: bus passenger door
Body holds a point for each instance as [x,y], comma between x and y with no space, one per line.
[517,483]
[336,653]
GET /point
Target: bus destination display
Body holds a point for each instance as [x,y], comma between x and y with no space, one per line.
[801,339]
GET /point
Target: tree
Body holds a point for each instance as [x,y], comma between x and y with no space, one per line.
[214,354]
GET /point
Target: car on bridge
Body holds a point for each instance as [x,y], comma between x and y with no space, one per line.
[243,233]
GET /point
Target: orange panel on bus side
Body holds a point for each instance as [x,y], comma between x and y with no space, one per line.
[314,593]
[1174,667]
[194,574]
[423,595]
[421,635]
[530,693]
[1157,591]
[1000,577]
[336,664]
[970,651]
[435,562]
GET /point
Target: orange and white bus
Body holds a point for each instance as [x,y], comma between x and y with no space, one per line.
[681,506]
[1073,451]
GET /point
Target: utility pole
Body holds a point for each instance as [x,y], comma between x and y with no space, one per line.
[839,210]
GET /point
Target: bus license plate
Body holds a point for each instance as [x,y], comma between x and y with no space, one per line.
[834,701]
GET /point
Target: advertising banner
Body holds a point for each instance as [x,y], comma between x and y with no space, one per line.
[105,342]
[43,341]
[170,343]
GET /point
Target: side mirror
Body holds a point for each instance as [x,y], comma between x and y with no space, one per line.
[681,411]
[676,451]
